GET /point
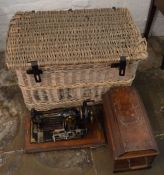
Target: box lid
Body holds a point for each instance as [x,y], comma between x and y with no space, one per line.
[73,37]
[128,124]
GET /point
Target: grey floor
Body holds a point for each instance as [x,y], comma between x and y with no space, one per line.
[13,161]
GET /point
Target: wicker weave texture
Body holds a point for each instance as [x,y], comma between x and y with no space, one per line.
[76,76]
[73,37]
[75,50]
[70,87]
[49,98]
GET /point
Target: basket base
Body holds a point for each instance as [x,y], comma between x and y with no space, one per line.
[94,138]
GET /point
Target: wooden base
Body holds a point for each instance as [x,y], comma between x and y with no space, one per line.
[94,138]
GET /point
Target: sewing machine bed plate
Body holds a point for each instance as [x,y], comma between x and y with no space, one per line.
[94,138]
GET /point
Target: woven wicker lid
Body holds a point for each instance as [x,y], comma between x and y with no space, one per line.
[73,37]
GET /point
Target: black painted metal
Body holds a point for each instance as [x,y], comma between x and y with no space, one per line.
[36,71]
[121,65]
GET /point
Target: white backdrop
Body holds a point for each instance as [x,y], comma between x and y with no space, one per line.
[138,8]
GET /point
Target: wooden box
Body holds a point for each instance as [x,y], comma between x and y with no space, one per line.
[128,130]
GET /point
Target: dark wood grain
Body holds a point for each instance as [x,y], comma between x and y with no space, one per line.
[128,129]
[160,5]
[154,5]
[151,13]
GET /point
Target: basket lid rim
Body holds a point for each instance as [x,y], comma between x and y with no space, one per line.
[95,44]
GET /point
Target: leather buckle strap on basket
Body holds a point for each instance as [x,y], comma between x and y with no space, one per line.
[77,54]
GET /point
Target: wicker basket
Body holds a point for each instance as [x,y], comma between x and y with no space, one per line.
[64,57]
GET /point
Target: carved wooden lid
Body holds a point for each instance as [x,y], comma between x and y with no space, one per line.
[127,119]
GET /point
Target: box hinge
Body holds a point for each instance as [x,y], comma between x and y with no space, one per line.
[121,65]
[35,71]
